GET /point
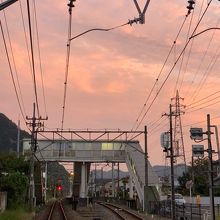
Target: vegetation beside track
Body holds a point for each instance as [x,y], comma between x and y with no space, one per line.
[18,214]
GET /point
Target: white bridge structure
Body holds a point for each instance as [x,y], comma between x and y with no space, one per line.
[105,147]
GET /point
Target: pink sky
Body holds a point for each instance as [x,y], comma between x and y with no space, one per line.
[111,73]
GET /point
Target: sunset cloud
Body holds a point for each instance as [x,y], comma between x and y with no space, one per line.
[111,73]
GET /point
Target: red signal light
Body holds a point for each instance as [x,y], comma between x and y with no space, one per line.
[59,188]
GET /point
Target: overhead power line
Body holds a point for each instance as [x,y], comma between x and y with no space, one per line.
[39,56]
[14,63]
[157,79]
[172,68]
[70,38]
[11,72]
[32,57]
[203,98]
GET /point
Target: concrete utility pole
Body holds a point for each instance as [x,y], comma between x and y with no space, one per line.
[113,181]
[211,194]
[171,156]
[172,168]
[33,146]
[146,205]
[18,139]
[35,124]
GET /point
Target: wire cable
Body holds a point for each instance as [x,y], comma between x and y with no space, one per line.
[189,53]
[157,79]
[206,106]
[169,73]
[200,12]
[99,29]
[194,106]
[32,57]
[203,98]
[39,56]
[14,64]
[12,77]
[207,71]
[25,36]
[130,22]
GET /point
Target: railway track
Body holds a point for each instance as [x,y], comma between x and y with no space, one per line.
[56,211]
[121,213]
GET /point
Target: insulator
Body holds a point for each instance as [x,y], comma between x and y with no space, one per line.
[190,7]
[191,2]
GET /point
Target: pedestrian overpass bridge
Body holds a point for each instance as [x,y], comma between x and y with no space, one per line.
[85,152]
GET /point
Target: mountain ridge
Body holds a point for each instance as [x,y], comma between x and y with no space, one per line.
[8,135]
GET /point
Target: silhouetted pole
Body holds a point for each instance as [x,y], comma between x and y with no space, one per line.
[146,200]
[33,146]
[211,194]
[18,139]
[118,183]
[173,208]
[95,180]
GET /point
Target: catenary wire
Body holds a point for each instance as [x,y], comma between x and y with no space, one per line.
[188,55]
[195,92]
[157,79]
[130,22]
[14,64]
[25,36]
[39,56]
[12,77]
[200,12]
[169,73]
[207,72]
[32,58]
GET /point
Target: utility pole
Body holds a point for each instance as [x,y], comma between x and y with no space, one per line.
[18,139]
[146,171]
[33,146]
[172,168]
[167,148]
[113,181]
[211,194]
[95,180]
[35,124]
[118,182]
[197,135]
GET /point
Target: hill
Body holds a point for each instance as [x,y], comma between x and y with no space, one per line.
[8,135]
[164,171]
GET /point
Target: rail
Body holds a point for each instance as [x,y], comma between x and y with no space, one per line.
[121,212]
[57,208]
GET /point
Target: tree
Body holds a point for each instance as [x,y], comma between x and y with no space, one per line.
[14,178]
[200,173]
[15,184]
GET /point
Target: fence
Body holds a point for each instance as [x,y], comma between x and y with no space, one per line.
[187,211]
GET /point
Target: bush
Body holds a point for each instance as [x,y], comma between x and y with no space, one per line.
[16,185]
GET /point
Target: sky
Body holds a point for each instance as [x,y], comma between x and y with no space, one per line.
[111,74]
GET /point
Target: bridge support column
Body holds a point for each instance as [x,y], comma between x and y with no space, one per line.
[131,188]
[83,187]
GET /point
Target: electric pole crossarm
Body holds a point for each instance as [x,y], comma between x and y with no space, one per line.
[5,4]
